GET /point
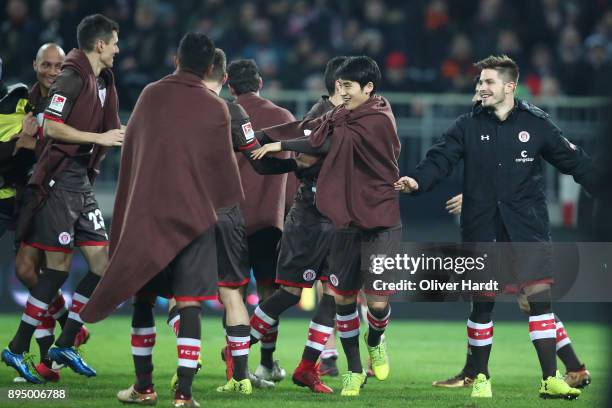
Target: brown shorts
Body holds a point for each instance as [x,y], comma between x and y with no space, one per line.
[263,253]
[232,248]
[304,247]
[191,275]
[347,275]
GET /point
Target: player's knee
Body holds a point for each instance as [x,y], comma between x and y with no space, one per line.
[230,297]
[26,270]
[294,291]
[540,300]
[190,303]
[58,261]
[97,259]
[523,303]
[265,290]
[344,299]
[377,306]
[533,290]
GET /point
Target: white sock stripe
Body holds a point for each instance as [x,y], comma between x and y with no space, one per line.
[479,326]
[186,341]
[539,318]
[183,362]
[563,343]
[314,345]
[30,320]
[263,316]
[59,313]
[233,339]
[173,321]
[480,343]
[39,333]
[560,325]
[38,303]
[240,352]
[141,331]
[380,319]
[347,334]
[142,351]
[329,353]
[345,318]
[543,334]
[257,334]
[321,328]
[273,329]
[75,316]
[80,298]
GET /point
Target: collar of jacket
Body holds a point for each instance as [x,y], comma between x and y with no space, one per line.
[519,104]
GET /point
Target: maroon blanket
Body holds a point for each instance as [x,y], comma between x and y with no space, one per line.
[355,185]
[265,196]
[177,167]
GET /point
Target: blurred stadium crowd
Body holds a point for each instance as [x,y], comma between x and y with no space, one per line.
[563,47]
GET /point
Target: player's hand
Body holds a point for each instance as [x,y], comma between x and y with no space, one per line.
[111,138]
[305,161]
[29,125]
[25,141]
[453,206]
[265,149]
[406,185]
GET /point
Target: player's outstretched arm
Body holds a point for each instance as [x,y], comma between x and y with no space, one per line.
[260,153]
[68,134]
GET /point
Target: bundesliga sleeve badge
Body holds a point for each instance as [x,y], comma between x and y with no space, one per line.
[57,103]
[247,130]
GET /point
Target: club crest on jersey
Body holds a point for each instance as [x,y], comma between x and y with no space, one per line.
[524,136]
[64,238]
[333,279]
[247,129]
[57,103]
[309,275]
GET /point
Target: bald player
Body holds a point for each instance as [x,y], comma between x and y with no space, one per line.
[47,65]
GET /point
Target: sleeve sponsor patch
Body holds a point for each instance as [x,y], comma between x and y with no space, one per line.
[247,130]
[57,103]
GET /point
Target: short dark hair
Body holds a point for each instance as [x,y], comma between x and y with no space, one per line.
[360,69]
[330,73]
[195,53]
[93,28]
[503,64]
[243,76]
[475,81]
[219,63]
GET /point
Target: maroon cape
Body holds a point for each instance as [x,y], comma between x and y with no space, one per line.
[355,184]
[177,168]
[265,196]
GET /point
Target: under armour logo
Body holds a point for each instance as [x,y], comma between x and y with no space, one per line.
[484,137]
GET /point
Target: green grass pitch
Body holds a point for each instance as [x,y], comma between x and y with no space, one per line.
[420,352]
